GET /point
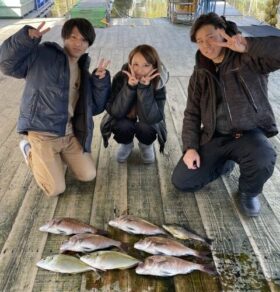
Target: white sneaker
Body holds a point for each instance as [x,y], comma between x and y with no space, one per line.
[25,147]
[147,153]
[124,152]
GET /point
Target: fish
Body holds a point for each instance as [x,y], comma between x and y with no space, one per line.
[182,233]
[108,260]
[89,242]
[135,225]
[166,266]
[166,246]
[68,226]
[61,263]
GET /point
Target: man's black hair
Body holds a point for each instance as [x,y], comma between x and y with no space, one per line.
[84,26]
[214,19]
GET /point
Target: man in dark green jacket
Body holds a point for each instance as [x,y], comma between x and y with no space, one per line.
[58,102]
[228,116]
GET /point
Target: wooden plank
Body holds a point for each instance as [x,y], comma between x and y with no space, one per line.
[25,243]
[144,200]
[110,199]
[181,208]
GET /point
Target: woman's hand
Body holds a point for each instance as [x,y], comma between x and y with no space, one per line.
[192,159]
[101,69]
[132,80]
[36,33]
[147,79]
[236,43]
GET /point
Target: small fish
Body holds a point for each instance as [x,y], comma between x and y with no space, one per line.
[88,242]
[61,263]
[135,225]
[182,233]
[108,260]
[166,266]
[167,246]
[68,226]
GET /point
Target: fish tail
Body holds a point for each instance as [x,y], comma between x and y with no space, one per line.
[102,232]
[124,247]
[208,241]
[208,269]
[204,255]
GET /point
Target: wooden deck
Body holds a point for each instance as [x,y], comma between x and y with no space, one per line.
[246,252]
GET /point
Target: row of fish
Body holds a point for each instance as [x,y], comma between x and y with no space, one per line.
[128,223]
[87,239]
[107,260]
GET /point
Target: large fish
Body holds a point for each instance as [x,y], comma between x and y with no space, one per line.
[166,246]
[135,225]
[61,263]
[68,226]
[89,242]
[182,233]
[170,266]
[108,260]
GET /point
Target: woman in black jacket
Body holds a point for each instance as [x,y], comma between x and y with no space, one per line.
[228,116]
[136,106]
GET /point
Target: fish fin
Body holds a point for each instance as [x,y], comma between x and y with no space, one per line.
[61,232]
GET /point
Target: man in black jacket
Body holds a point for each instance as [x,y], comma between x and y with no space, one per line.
[58,102]
[228,116]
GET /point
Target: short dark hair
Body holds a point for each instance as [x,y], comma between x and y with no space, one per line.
[217,21]
[83,25]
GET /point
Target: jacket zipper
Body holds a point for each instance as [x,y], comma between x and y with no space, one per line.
[250,97]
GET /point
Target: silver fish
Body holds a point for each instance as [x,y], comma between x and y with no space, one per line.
[61,263]
[108,260]
[166,266]
[166,246]
[68,226]
[135,225]
[88,242]
[182,233]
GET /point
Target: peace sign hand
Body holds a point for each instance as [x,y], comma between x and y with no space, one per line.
[132,80]
[147,79]
[36,33]
[101,69]
[236,43]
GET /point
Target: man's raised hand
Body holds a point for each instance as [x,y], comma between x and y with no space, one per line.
[36,33]
[101,69]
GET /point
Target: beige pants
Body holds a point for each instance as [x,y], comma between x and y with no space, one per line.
[48,157]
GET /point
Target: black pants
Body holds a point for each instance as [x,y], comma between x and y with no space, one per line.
[252,151]
[125,129]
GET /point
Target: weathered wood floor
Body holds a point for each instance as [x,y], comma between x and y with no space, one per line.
[246,252]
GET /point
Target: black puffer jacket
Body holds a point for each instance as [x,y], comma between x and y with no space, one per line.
[149,102]
[44,104]
[243,85]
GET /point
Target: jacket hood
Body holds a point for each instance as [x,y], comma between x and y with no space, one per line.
[163,77]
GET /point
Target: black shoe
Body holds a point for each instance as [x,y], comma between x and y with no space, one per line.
[248,205]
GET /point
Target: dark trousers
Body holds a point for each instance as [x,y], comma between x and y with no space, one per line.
[125,129]
[252,151]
